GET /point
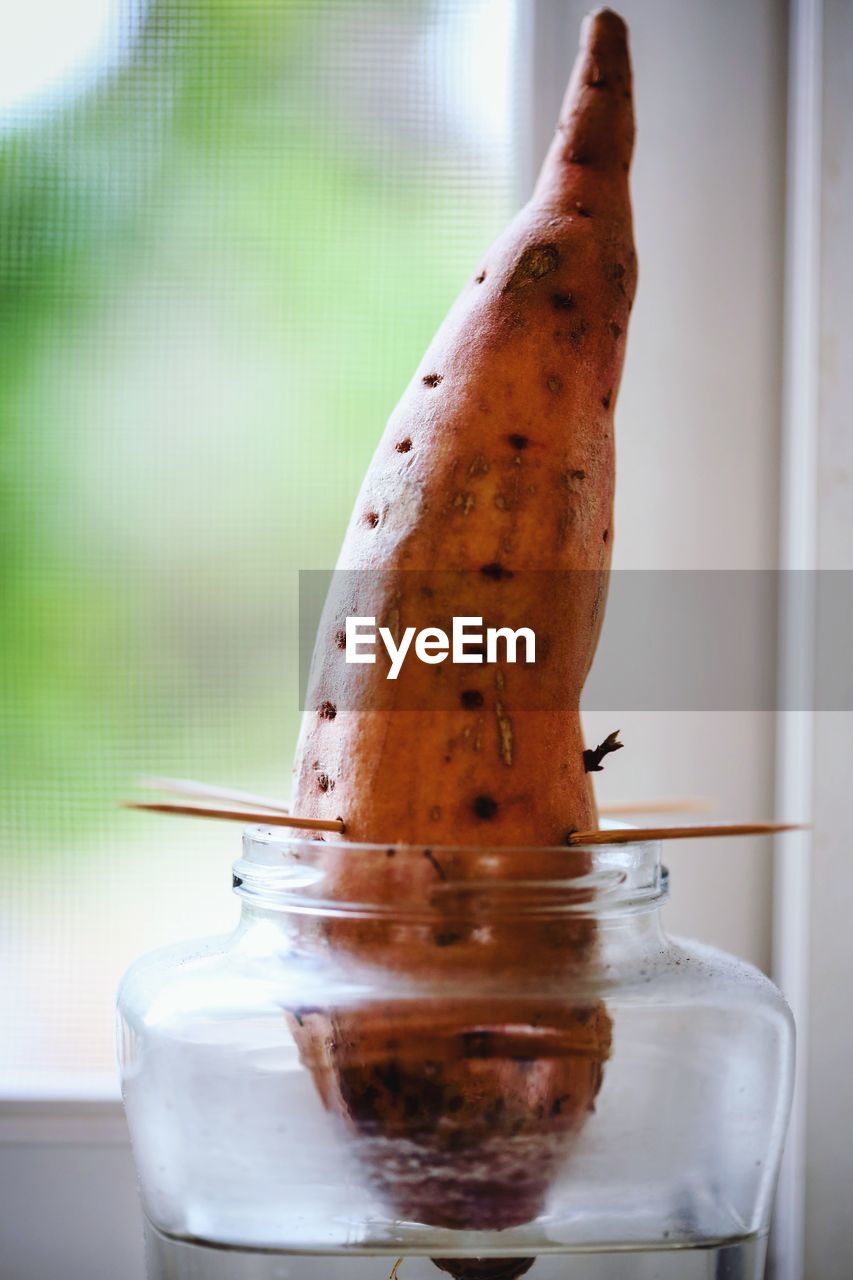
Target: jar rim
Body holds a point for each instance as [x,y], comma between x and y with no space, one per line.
[302,875]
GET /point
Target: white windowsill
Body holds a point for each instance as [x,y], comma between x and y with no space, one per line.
[62,1108]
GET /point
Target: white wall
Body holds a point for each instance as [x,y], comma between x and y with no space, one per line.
[698,417]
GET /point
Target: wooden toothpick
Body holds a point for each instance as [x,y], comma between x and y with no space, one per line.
[632,835]
[241,815]
[279,817]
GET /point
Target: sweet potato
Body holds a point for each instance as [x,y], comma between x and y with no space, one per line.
[497,466]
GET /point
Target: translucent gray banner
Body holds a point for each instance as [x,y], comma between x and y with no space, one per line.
[670,641]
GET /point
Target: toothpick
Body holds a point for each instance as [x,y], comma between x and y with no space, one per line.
[241,815]
[632,835]
[206,791]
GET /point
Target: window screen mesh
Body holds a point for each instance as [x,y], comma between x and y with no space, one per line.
[228,229]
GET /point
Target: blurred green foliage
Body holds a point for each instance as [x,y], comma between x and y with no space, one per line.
[214,282]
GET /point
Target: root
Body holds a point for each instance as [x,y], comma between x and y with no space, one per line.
[484,1268]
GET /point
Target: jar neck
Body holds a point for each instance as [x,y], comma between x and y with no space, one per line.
[603,899]
[601,950]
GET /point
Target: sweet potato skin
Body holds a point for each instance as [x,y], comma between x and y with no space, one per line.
[500,453]
[466,1133]
[496,466]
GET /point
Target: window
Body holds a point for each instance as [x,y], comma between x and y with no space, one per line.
[226,233]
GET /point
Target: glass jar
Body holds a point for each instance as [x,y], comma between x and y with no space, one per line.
[517,1063]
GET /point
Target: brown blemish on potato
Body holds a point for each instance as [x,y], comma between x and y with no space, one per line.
[478,279]
[371,519]
[485,807]
[433,861]
[537,261]
[605,399]
[340,639]
[471,699]
[403,446]
[518,441]
[574,335]
[562,301]
[504,733]
[615,328]
[327,710]
[496,572]
[555,384]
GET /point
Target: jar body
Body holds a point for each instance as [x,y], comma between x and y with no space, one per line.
[236,1144]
